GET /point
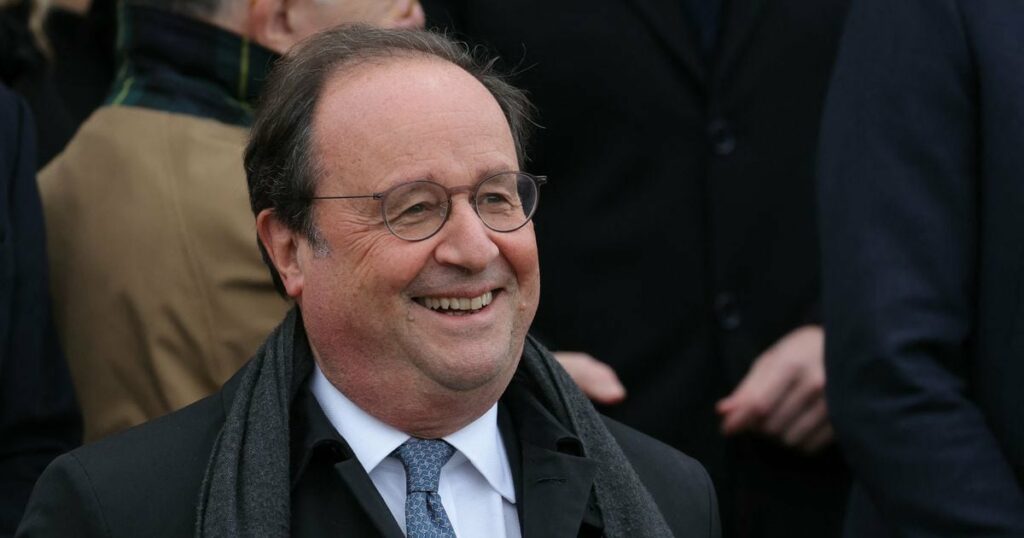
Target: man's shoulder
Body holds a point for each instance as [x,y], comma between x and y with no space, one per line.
[142,139]
[175,437]
[122,116]
[679,484]
[140,482]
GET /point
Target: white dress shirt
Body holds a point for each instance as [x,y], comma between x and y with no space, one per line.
[476,485]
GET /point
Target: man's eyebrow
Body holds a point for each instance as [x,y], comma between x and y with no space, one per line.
[496,170]
[431,176]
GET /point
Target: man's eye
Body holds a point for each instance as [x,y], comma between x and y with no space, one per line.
[415,209]
[414,212]
[495,199]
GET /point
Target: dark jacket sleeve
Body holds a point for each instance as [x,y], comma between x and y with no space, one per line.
[899,217]
[63,504]
[38,415]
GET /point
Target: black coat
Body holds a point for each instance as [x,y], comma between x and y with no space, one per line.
[922,200]
[146,481]
[39,418]
[677,234]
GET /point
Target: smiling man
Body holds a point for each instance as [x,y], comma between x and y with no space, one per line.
[402,395]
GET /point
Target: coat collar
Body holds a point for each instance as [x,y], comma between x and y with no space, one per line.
[667,21]
[178,64]
[316,447]
[739,22]
[553,477]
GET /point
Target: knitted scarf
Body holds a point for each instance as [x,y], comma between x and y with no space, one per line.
[245,490]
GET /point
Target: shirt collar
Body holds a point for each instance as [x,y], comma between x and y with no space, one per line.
[175,63]
[372,440]
[480,442]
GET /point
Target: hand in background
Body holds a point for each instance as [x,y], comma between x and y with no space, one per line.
[783,394]
[596,379]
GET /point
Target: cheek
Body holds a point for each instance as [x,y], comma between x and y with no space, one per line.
[520,250]
[362,252]
[386,262]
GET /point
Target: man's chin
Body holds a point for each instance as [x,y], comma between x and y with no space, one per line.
[472,371]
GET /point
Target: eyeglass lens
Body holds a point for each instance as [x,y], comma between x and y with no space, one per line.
[504,202]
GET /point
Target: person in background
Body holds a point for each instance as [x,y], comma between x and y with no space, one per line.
[922,211]
[39,418]
[679,234]
[401,397]
[60,57]
[159,289]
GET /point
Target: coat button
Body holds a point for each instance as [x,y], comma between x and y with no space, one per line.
[722,137]
[727,311]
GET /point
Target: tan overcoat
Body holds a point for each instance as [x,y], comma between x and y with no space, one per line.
[159,290]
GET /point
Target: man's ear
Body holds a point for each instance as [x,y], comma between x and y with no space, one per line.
[282,246]
[270,24]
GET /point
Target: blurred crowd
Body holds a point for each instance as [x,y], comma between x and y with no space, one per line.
[785,237]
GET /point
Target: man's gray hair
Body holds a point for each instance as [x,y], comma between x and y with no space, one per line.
[280,164]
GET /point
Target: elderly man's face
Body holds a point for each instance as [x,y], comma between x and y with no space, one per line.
[363,298]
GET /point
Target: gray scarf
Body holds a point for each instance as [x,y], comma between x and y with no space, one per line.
[245,489]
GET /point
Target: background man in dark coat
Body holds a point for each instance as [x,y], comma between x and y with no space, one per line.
[39,418]
[922,211]
[678,232]
[384,170]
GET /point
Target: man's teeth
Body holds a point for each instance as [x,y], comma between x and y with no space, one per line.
[457,303]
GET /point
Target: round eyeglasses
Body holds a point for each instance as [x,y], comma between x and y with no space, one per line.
[417,210]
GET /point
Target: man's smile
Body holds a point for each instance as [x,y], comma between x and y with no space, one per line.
[458,305]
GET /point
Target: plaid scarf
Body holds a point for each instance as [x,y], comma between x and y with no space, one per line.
[179,64]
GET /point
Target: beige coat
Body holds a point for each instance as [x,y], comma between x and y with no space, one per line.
[159,290]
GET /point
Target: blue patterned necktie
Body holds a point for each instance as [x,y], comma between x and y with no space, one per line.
[424,515]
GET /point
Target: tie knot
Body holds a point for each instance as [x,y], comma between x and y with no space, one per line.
[423,459]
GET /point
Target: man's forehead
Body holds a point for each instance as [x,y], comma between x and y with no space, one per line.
[399,89]
[407,108]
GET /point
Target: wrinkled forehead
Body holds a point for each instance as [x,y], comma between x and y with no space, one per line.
[405,109]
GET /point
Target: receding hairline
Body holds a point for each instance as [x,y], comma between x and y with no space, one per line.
[359,65]
[355,70]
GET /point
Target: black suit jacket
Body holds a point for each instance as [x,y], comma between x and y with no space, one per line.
[922,199]
[146,481]
[678,231]
[39,418]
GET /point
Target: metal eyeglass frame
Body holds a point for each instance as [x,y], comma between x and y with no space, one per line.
[471,190]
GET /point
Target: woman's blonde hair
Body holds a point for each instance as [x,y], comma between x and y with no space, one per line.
[36,17]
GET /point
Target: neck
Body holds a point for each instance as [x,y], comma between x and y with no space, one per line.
[424,410]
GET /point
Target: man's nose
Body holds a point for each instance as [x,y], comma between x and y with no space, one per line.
[464,240]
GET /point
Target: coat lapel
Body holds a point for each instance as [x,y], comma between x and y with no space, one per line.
[331,493]
[553,478]
[556,491]
[740,20]
[340,500]
[355,477]
[667,21]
